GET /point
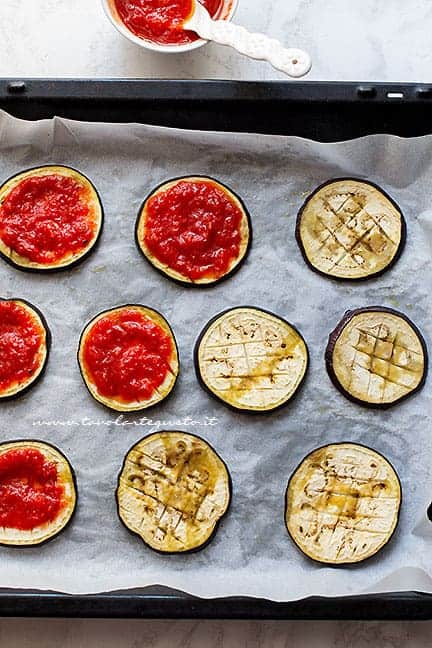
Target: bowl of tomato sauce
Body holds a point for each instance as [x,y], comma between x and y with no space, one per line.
[157,24]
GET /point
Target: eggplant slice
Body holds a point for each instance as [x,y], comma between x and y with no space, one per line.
[376,356]
[69,258]
[29,376]
[37,535]
[342,504]
[350,229]
[172,491]
[250,359]
[212,276]
[161,391]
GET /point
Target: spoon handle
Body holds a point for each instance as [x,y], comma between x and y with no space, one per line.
[292,61]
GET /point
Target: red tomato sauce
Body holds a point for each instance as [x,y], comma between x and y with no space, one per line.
[127,355]
[30,494]
[21,337]
[160,21]
[44,218]
[194,228]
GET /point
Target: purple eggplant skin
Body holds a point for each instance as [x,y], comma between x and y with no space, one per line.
[333,337]
[82,258]
[375,275]
[228,405]
[209,539]
[48,340]
[74,480]
[369,558]
[185,282]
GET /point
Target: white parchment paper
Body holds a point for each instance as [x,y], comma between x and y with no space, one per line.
[251,553]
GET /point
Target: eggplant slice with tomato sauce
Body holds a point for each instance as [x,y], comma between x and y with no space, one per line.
[194,230]
[173,490]
[128,358]
[250,359]
[350,229]
[376,356]
[25,342]
[342,504]
[37,491]
[51,218]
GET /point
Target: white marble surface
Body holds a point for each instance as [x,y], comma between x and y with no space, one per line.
[356,40]
[210,634]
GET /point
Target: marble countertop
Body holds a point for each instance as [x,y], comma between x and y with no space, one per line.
[53,633]
[357,40]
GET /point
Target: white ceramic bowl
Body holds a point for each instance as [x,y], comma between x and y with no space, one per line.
[225,12]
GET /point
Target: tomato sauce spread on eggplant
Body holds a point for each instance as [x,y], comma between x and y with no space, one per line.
[30,494]
[46,217]
[160,21]
[194,228]
[21,338]
[127,355]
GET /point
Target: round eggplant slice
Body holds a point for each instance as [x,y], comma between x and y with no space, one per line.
[24,347]
[342,504]
[251,359]
[194,230]
[37,492]
[350,229]
[50,218]
[128,358]
[376,356]
[173,490]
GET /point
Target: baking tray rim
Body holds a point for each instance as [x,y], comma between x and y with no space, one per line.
[44,95]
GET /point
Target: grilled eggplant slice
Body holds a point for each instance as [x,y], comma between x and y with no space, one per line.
[376,356]
[50,218]
[250,359]
[37,491]
[128,358]
[173,490]
[25,342]
[350,229]
[342,504]
[194,230]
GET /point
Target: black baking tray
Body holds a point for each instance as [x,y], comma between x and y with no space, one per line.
[322,111]
[318,110]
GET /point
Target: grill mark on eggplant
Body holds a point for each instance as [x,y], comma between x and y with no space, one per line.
[332,531]
[366,226]
[378,342]
[245,345]
[191,473]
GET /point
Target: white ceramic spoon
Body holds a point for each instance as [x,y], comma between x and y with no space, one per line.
[292,61]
